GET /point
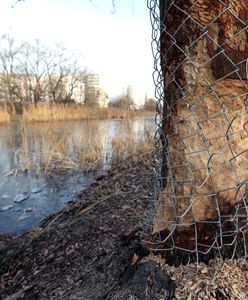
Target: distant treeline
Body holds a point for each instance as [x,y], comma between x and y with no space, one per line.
[33,72]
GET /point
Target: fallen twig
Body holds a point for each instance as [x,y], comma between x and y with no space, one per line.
[93,205]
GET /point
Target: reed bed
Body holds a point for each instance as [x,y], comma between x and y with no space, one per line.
[127,144]
[4,115]
[91,150]
[60,112]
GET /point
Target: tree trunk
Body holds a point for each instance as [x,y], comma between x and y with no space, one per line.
[204,51]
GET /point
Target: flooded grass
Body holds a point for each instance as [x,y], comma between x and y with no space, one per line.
[44,165]
[66,152]
[128,144]
[61,112]
[89,153]
[89,145]
[4,115]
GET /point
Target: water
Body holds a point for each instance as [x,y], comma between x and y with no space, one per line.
[41,165]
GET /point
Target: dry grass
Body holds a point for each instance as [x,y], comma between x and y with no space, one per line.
[90,151]
[55,154]
[88,155]
[127,145]
[59,149]
[4,115]
[60,112]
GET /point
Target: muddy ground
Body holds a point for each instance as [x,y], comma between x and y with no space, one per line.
[91,250]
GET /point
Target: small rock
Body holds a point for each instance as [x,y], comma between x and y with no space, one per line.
[28,209]
[5,196]
[17,208]
[23,217]
[36,191]
[20,197]
[7,207]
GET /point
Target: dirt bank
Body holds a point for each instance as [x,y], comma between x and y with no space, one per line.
[91,250]
[87,251]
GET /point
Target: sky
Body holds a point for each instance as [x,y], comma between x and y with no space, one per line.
[114,41]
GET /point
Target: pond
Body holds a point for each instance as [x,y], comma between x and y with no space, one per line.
[45,165]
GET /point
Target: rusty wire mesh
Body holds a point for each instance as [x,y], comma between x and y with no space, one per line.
[200,49]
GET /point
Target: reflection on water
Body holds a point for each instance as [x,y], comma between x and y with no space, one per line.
[28,192]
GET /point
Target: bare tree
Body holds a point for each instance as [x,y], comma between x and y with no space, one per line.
[52,74]
[35,69]
[73,79]
[57,71]
[124,101]
[150,104]
[9,66]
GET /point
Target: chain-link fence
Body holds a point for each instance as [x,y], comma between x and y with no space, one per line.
[200,49]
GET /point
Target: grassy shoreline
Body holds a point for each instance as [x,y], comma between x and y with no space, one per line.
[63,112]
[96,238]
[72,241]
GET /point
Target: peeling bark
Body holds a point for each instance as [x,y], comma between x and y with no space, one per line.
[204,70]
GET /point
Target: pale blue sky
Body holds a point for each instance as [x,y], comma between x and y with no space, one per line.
[115,45]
